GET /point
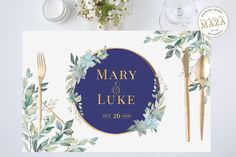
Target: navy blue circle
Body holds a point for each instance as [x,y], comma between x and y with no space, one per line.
[116,118]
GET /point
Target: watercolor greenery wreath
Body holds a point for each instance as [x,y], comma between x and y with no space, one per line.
[198,45]
[54,134]
[103,11]
[78,70]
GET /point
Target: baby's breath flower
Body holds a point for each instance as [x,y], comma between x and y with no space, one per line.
[104,12]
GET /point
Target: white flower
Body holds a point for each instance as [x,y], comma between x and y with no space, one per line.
[119,12]
[91,14]
[115,2]
[90,4]
[112,12]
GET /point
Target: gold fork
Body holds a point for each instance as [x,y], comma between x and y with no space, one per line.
[41,73]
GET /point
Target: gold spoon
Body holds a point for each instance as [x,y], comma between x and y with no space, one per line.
[202,72]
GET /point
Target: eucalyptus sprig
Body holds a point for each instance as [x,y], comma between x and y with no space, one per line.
[78,70]
[196,42]
[103,11]
[54,134]
[154,111]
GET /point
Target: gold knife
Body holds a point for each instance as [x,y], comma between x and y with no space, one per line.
[185,61]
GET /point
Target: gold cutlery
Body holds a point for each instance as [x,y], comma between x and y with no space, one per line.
[41,73]
[202,72]
[185,61]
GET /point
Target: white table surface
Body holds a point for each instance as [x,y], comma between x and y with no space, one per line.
[144,16]
[19,15]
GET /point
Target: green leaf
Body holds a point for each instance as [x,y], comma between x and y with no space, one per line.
[44,84]
[207,43]
[208,90]
[58,137]
[167,40]
[169,54]
[68,77]
[28,73]
[199,35]
[205,99]
[44,143]
[30,90]
[35,145]
[43,89]
[78,149]
[178,42]
[32,128]
[39,148]
[156,38]
[195,33]
[68,132]
[157,32]
[51,149]
[25,136]
[147,40]
[132,128]
[28,101]
[169,47]
[191,37]
[83,142]
[76,60]
[106,8]
[49,128]
[78,98]
[70,140]
[25,146]
[193,87]
[58,125]
[93,140]
[162,109]
[65,144]
[177,53]
[172,37]
[68,124]
[72,59]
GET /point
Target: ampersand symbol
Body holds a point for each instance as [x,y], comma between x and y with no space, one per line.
[116,88]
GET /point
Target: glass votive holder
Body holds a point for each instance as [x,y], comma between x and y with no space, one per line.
[55,10]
